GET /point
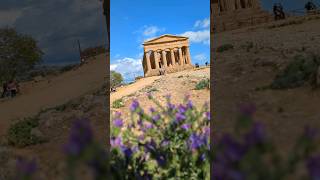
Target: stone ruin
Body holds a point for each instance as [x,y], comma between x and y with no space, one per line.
[167,53]
[234,14]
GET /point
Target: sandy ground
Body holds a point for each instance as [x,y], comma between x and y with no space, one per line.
[238,72]
[132,88]
[176,84]
[52,92]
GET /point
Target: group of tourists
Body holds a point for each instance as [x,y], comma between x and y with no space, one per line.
[10,89]
[278,11]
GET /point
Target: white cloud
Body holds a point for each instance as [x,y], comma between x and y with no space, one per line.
[200,57]
[205,23]
[113,67]
[150,31]
[128,67]
[202,36]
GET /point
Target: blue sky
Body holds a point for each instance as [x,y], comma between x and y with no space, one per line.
[133,22]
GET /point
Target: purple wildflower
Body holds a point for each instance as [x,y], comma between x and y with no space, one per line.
[189,104]
[135,149]
[26,168]
[182,109]
[118,122]
[313,165]
[81,136]
[141,137]
[140,122]
[180,117]
[148,125]
[116,142]
[134,105]
[195,141]
[171,106]
[232,150]
[150,146]
[126,151]
[208,115]
[186,126]
[156,117]
[256,135]
[152,110]
[222,171]
[207,131]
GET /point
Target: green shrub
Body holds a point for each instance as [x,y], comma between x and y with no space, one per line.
[116,79]
[205,83]
[117,103]
[297,73]
[224,47]
[152,89]
[19,134]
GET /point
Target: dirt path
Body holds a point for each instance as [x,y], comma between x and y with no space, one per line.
[55,91]
[129,89]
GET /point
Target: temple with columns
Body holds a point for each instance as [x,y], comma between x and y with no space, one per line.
[167,53]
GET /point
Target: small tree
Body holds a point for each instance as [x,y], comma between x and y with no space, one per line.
[18,54]
[115,79]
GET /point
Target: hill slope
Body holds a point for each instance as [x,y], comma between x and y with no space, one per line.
[257,56]
[53,92]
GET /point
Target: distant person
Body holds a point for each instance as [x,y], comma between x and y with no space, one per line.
[310,6]
[278,11]
[207,63]
[13,88]
[4,90]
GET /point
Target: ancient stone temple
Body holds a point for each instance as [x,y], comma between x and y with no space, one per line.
[167,53]
[233,14]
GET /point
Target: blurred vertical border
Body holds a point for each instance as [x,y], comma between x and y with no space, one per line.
[212,83]
[106,12]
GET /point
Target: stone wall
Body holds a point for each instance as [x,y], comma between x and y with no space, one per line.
[234,14]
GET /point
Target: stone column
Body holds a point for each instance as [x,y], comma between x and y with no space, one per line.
[164,58]
[173,61]
[231,5]
[180,57]
[188,55]
[156,61]
[238,4]
[148,60]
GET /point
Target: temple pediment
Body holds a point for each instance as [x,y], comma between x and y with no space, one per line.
[165,38]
